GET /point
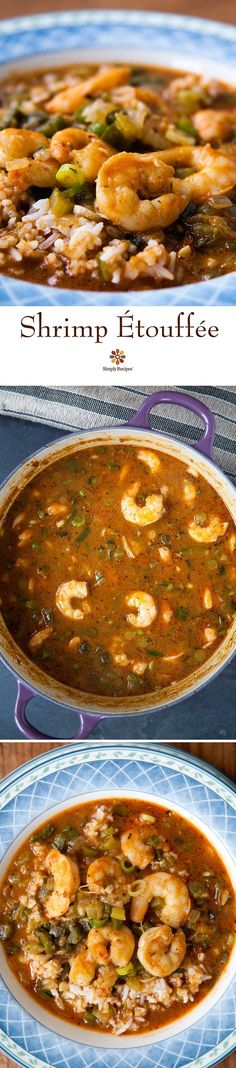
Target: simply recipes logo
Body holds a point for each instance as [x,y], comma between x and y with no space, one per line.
[117,358]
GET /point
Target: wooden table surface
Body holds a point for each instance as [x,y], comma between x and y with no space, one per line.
[221,755]
[215,9]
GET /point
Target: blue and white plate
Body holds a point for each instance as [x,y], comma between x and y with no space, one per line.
[171,40]
[158,770]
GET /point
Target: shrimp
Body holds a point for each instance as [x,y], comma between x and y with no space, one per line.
[150,458]
[92,157]
[160,951]
[16,148]
[146,609]
[150,512]
[118,653]
[66,881]
[134,191]
[215,125]
[63,141]
[67,593]
[104,876]
[105,78]
[215,171]
[82,969]
[107,976]
[134,845]
[121,945]
[57,509]
[120,657]
[16,144]
[189,491]
[210,635]
[173,893]
[207,533]
[38,638]
[81,148]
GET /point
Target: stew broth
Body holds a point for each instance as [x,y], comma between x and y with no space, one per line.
[117,572]
[88,899]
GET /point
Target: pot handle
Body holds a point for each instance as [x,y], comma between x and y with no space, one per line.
[25,694]
[168,396]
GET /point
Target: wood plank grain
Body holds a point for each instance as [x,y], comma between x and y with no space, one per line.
[215,9]
[222,755]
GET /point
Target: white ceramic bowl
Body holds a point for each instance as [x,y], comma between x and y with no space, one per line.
[85,1035]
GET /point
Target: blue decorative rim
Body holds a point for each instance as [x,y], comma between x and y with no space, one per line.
[22,37]
[155,768]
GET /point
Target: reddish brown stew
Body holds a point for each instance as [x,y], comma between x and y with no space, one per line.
[105,594]
[43,948]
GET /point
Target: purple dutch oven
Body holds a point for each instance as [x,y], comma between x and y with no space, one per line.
[32,680]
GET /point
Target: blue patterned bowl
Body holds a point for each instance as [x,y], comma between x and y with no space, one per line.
[161,773]
[177,41]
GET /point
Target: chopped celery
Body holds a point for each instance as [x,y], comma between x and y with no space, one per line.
[125,126]
[189,100]
[127,970]
[118,912]
[60,203]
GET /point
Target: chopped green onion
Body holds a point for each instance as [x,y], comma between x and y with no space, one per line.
[126,867]
[84,534]
[71,176]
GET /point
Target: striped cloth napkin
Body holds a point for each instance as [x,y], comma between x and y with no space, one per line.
[84,407]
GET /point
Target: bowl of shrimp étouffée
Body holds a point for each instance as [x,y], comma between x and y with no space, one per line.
[118,166]
[117,919]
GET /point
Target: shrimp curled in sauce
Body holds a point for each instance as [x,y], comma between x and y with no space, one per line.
[66,877]
[215,171]
[134,845]
[207,533]
[22,156]
[121,945]
[104,876]
[150,512]
[170,888]
[16,144]
[151,459]
[134,191]
[81,148]
[120,657]
[82,969]
[66,593]
[104,79]
[145,609]
[215,125]
[160,951]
